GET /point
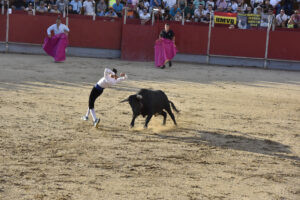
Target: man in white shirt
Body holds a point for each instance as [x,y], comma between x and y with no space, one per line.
[281,19]
[144,16]
[88,6]
[58,28]
[77,5]
[110,78]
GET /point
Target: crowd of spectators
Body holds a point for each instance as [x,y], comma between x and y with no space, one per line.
[285,12]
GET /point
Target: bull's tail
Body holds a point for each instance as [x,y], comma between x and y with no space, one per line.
[173,106]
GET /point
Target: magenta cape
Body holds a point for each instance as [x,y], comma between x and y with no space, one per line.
[165,50]
[56,45]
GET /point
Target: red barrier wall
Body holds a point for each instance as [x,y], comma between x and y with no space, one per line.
[85,32]
[138,42]
[2,27]
[235,42]
[284,45]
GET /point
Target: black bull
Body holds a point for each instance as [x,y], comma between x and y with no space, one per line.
[148,103]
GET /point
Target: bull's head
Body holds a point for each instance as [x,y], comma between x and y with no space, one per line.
[135,102]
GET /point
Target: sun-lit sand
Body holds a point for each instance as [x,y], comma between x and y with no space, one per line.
[238,133]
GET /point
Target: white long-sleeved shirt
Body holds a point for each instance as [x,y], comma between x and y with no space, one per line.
[61,29]
[107,81]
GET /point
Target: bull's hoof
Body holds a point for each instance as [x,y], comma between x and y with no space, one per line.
[131,126]
[145,127]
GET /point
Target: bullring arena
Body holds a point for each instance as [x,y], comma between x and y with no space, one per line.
[237,136]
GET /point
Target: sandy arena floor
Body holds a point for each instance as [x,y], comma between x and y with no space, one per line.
[238,134]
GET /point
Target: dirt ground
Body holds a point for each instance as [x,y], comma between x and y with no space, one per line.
[238,133]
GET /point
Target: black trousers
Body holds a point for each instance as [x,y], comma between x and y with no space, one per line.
[95,93]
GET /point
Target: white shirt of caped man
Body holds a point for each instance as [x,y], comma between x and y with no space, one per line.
[274,2]
[88,5]
[170,3]
[282,18]
[107,81]
[144,16]
[61,29]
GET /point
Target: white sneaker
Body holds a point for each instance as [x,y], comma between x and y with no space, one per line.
[96,123]
[84,118]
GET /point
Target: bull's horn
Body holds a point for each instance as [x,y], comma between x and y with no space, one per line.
[124,100]
[139,96]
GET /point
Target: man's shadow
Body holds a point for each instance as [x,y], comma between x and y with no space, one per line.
[228,141]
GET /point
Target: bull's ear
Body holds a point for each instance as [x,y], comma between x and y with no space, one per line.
[139,97]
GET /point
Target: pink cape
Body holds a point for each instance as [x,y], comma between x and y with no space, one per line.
[165,50]
[56,45]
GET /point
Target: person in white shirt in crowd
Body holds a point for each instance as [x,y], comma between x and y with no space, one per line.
[77,5]
[210,2]
[255,3]
[211,11]
[144,16]
[88,6]
[110,78]
[281,19]
[199,13]
[61,5]
[258,10]
[29,9]
[178,16]
[54,9]
[276,5]
[233,5]
[242,4]
[42,7]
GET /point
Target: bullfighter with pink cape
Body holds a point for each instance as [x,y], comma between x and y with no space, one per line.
[165,48]
[55,46]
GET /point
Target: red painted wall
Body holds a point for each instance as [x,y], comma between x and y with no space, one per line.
[284,45]
[138,42]
[235,42]
[2,27]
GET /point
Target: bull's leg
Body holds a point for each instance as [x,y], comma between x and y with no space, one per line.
[132,121]
[163,113]
[147,120]
[171,114]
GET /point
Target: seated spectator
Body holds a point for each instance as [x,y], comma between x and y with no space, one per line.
[281,19]
[155,4]
[229,9]
[276,5]
[118,7]
[258,10]
[189,9]
[196,3]
[265,17]
[146,4]
[144,16]
[248,10]
[88,6]
[242,4]
[61,5]
[174,10]
[42,8]
[233,5]
[28,2]
[239,10]
[199,13]
[100,12]
[54,9]
[210,2]
[101,6]
[19,5]
[168,4]
[221,5]
[208,17]
[49,2]
[266,6]
[294,21]
[178,16]
[70,10]
[167,15]
[255,3]
[29,9]
[210,10]
[111,13]
[182,4]
[188,17]
[76,6]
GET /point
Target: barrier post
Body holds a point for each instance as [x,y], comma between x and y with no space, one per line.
[2,9]
[94,8]
[67,18]
[7,27]
[208,40]
[153,17]
[34,7]
[270,19]
[182,23]
[64,12]
[125,15]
